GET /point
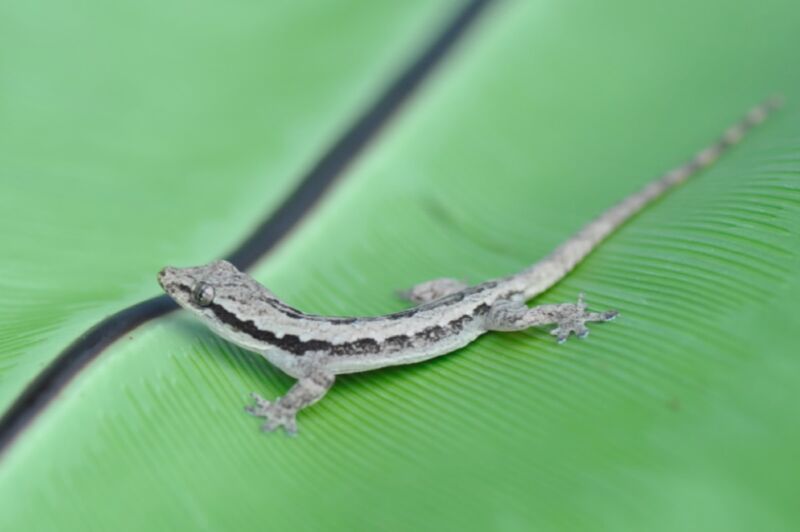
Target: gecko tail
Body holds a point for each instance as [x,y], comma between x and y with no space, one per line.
[564,258]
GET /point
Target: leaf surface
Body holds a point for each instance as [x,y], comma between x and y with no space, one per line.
[678,416]
[137,135]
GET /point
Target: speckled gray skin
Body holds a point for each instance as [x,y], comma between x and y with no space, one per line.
[314,349]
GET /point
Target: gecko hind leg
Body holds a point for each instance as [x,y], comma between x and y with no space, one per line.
[282,413]
[432,290]
[568,318]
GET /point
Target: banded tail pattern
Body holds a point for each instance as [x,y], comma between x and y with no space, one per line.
[540,276]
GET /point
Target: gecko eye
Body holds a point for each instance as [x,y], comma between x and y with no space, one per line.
[203,294]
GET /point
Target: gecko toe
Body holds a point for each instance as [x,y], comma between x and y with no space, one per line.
[561,334]
[276,416]
[255,396]
[269,426]
[573,317]
[287,422]
[260,406]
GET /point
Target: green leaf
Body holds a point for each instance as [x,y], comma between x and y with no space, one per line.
[680,415]
[140,134]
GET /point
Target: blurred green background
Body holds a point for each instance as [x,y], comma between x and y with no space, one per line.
[140,134]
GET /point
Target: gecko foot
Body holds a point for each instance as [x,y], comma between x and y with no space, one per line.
[275,414]
[571,318]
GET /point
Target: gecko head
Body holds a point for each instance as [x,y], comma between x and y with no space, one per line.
[200,288]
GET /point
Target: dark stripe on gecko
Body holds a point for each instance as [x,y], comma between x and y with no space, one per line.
[55,377]
[292,343]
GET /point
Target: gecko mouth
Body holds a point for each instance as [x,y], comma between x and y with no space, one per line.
[161,276]
[165,278]
[170,281]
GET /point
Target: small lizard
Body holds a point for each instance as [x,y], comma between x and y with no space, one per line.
[450,314]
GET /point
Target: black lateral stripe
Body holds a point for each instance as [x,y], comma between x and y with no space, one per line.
[60,372]
[292,343]
[289,342]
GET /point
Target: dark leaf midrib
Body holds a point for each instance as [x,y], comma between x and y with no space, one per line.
[46,386]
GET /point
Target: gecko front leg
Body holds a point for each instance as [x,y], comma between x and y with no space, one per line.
[432,290]
[305,392]
[569,318]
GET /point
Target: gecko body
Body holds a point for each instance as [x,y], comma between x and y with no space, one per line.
[449,314]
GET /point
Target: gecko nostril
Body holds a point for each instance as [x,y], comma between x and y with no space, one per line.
[163,274]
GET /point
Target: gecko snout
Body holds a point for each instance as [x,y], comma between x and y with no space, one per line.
[164,276]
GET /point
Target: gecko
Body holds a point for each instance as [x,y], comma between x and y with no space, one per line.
[448,315]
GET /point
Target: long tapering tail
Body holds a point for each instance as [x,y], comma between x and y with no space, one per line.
[565,257]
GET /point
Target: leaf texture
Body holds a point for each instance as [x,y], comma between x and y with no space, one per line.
[678,416]
[142,134]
